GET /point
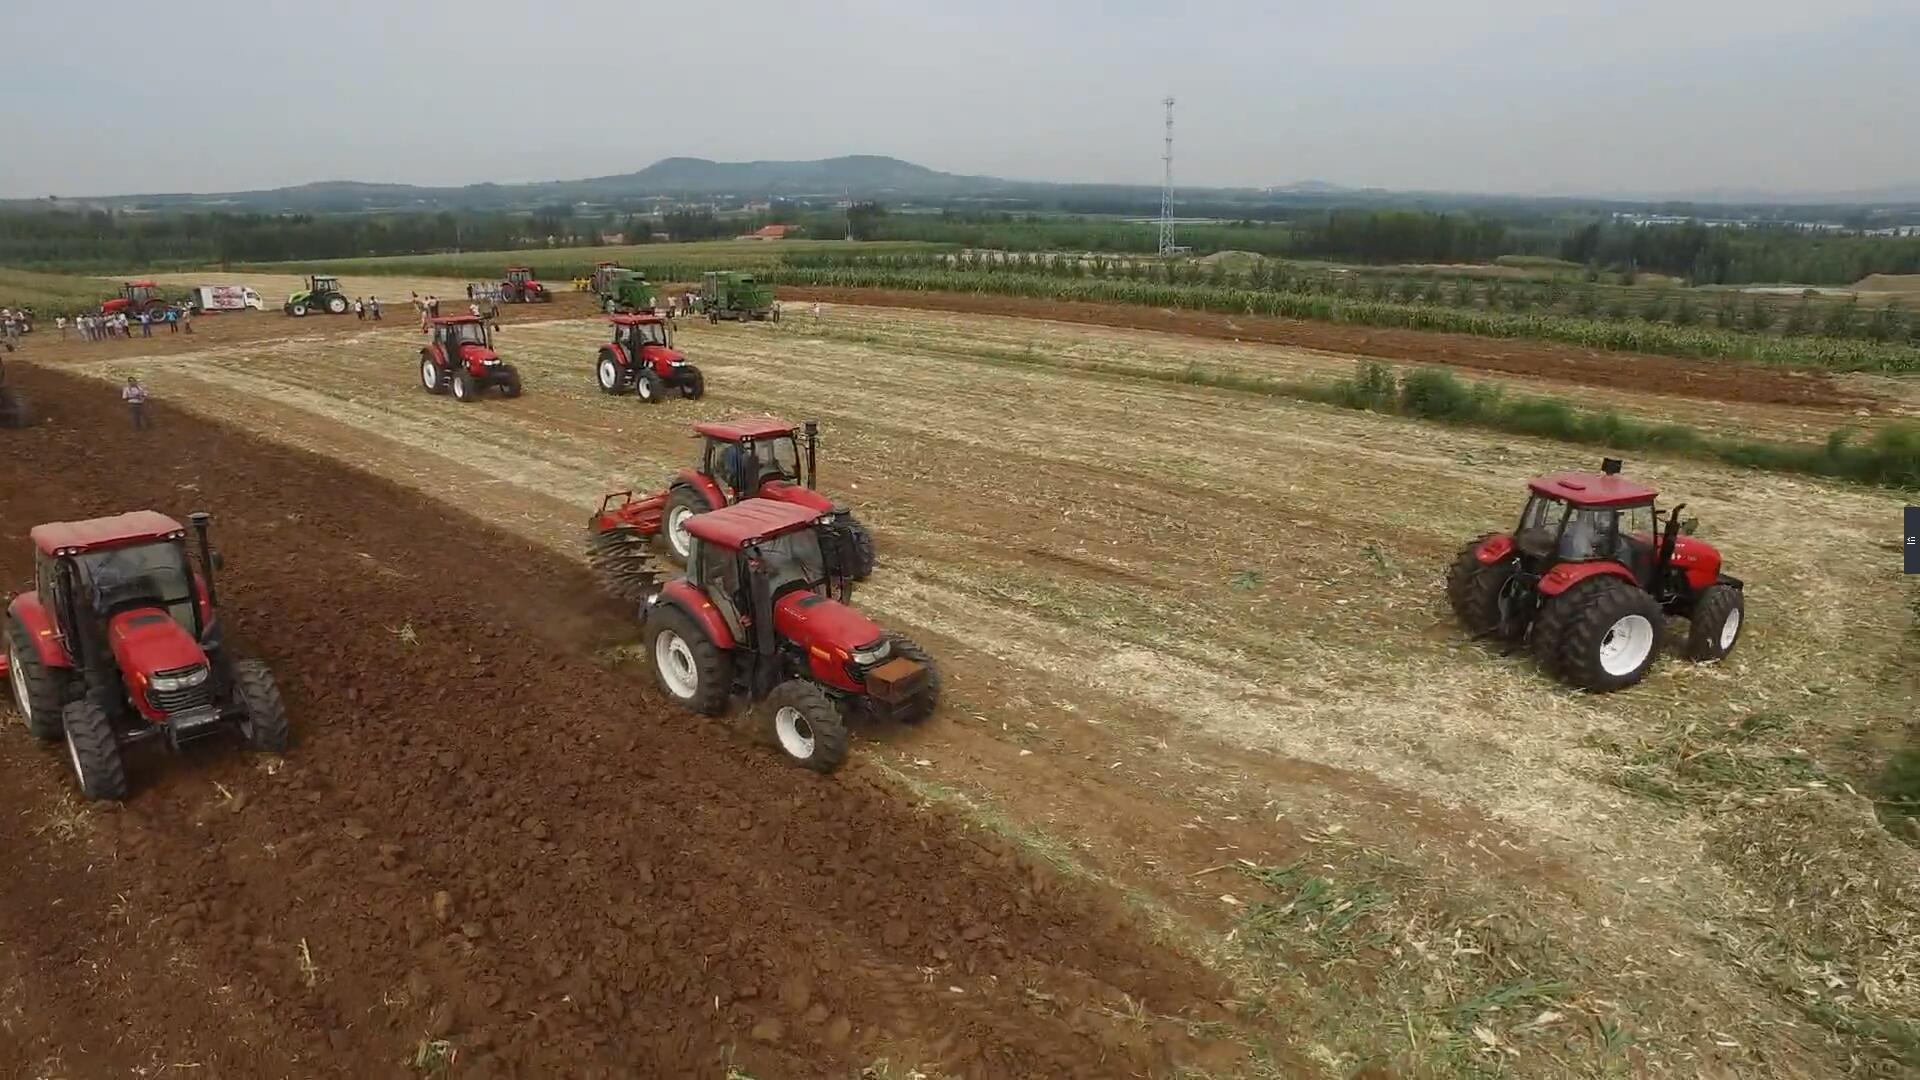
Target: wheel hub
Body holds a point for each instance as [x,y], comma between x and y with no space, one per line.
[1626,645]
[18,679]
[796,735]
[674,660]
[677,532]
[1730,630]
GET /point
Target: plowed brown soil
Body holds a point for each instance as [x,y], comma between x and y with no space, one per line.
[1709,380]
[483,836]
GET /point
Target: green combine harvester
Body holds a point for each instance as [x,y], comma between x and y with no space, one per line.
[725,294]
[321,294]
[622,290]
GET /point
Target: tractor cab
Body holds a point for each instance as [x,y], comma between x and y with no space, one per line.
[518,276]
[1574,517]
[759,552]
[90,574]
[323,283]
[743,455]
[635,332]
[603,275]
[462,330]
[140,293]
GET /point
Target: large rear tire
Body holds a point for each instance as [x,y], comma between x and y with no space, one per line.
[430,377]
[682,503]
[1473,588]
[265,725]
[929,699]
[1719,612]
[807,725]
[690,669]
[1608,633]
[35,692]
[606,371]
[94,751]
[337,305]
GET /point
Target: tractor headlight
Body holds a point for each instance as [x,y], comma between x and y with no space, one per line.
[874,654]
[167,684]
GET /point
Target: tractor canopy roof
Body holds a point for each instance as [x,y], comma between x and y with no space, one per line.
[750,521]
[458,320]
[635,320]
[519,270]
[121,530]
[141,285]
[1592,489]
[765,427]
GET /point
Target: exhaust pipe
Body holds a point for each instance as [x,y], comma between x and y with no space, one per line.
[1666,543]
[200,519]
[813,464]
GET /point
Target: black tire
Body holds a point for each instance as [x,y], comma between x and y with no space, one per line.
[1719,614]
[93,751]
[1590,622]
[463,388]
[336,305]
[649,388]
[696,384]
[929,699]
[298,311]
[29,678]
[608,374]
[807,725]
[265,725]
[438,383]
[510,386]
[14,410]
[863,556]
[682,497]
[710,667]
[1473,588]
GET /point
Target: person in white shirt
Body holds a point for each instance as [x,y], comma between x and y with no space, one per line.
[135,396]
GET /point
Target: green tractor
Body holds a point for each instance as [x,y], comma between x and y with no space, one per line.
[321,294]
[725,294]
[621,290]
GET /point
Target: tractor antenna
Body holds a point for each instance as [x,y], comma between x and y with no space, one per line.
[1166,187]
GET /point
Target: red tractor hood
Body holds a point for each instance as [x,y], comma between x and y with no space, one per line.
[781,491]
[477,354]
[659,354]
[146,641]
[816,622]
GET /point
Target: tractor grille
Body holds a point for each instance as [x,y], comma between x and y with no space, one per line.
[169,702]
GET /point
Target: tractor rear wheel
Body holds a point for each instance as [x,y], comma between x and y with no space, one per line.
[1714,627]
[265,725]
[607,372]
[430,377]
[463,390]
[1473,588]
[14,410]
[808,726]
[94,751]
[929,698]
[35,693]
[648,387]
[337,305]
[690,668]
[682,503]
[1605,632]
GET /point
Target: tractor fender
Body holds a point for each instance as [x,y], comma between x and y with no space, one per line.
[38,624]
[433,353]
[1566,575]
[781,491]
[1494,549]
[683,595]
[619,354]
[1698,560]
[706,487]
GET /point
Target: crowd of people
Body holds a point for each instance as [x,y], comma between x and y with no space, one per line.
[120,324]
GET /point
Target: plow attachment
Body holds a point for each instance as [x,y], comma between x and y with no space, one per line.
[620,546]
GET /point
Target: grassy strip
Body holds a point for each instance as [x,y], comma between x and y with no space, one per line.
[1621,335]
[661,262]
[52,294]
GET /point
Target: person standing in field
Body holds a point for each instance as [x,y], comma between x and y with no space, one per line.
[173,320]
[816,311]
[146,324]
[360,309]
[61,322]
[186,318]
[135,396]
[373,307]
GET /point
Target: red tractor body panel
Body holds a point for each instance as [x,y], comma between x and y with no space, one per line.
[659,358]
[686,596]
[121,530]
[705,486]
[1698,560]
[828,630]
[741,430]
[1592,489]
[642,514]
[145,642]
[620,354]
[795,495]
[1494,549]
[1566,575]
[476,356]
[40,629]
[750,521]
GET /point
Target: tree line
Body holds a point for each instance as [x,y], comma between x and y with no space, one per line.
[1720,255]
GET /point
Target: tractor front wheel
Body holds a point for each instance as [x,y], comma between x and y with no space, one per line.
[264,727]
[94,751]
[1714,627]
[1604,633]
[1473,588]
[648,387]
[35,693]
[298,311]
[682,503]
[696,385]
[510,385]
[463,390]
[607,372]
[808,726]
[690,668]
[928,699]
[863,557]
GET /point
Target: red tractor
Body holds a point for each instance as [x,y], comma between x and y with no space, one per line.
[460,359]
[1588,577]
[521,288]
[120,642]
[742,461]
[136,297]
[762,611]
[641,359]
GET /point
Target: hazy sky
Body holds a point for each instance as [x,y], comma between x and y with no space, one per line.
[107,97]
